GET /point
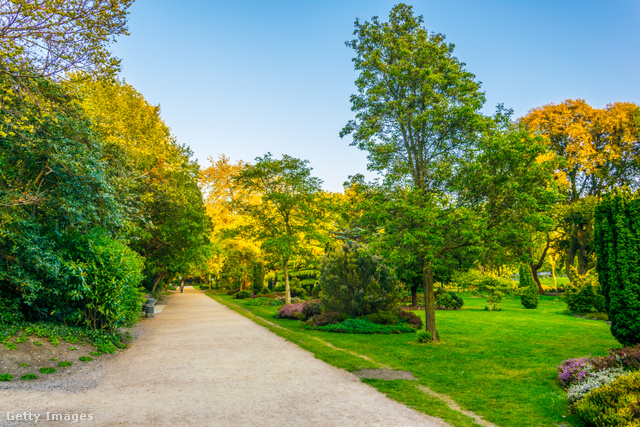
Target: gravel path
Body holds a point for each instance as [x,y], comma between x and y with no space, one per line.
[200,363]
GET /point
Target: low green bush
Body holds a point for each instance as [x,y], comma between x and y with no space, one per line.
[584,293]
[6,377]
[243,295]
[29,377]
[614,404]
[424,337]
[363,326]
[85,359]
[328,318]
[47,370]
[64,364]
[448,300]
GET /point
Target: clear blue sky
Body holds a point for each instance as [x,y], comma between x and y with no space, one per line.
[242,78]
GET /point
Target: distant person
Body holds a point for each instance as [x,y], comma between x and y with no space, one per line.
[181,286]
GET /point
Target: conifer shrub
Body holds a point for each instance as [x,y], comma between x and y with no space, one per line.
[617,243]
[356,282]
[528,288]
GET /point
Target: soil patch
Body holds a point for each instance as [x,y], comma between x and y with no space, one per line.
[384,374]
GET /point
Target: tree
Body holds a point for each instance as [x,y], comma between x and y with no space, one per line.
[417,114]
[528,290]
[617,241]
[288,210]
[599,152]
[52,37]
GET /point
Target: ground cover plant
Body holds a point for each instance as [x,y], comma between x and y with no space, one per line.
[499,364]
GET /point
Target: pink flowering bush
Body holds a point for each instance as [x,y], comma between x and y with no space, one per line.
[300,311]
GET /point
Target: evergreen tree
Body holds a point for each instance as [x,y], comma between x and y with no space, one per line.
[529,295]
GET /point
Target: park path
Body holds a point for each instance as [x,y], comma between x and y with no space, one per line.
[200,363]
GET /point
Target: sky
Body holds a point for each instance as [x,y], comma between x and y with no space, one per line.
[243,78]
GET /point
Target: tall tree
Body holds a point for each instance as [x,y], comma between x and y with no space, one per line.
[288,210]
[52,37]
[600,151]
[416,110]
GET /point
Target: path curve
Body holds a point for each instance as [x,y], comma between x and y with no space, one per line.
[200,363]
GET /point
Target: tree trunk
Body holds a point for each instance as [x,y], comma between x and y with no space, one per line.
[429,301]
[287,289]
[414,295]
[159,277]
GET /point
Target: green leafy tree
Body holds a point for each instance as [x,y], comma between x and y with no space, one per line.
[528,289]
[418,116]
[289,209]
[617,241]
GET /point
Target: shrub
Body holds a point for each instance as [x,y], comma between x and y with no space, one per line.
[528,289]
[276,303]
[583,294]
[259,301]
[617,244]
[10,311]
[356,282]
[85,359]
[592,381]
[311,308]
[573,371]
[424,337]
[292,311]
[257,277]
[64,364]
[383,318]
[448,300]
[243,295]
[29,377]
[363,326]
[328,318]
[410,319]
[47,370]
[233,291]
[613,404]
[491,288]
[6,377]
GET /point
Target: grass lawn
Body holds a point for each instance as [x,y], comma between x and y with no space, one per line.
[500,365]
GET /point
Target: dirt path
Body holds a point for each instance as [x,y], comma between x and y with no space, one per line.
[200,363]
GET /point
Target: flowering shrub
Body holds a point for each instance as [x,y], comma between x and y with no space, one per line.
[573,371]
[410,319]
[613,404]
[592,381]
[292,311]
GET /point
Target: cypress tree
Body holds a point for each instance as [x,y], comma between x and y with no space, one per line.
[617,242]
[529,296]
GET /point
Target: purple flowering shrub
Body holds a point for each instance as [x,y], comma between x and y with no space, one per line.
[574,371]
[300,311]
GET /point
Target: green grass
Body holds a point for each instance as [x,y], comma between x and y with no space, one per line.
[500,365]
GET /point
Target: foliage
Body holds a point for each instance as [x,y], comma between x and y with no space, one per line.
[584,293]
[424,337]
[592,381]
[448,299]
[383,318]
[10,311]
[356,282]
[243,295]
[410,319]
[617,239]
[49,37]
[491,288]
[85,359]
[328,318]
[285,219]
[527,289]
[47,370]
[363,326]
[64,364]
[613,404]
[29,377]
[257,277]
[292,311]
[574,371]
[311,308]
[6,377]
